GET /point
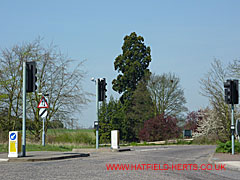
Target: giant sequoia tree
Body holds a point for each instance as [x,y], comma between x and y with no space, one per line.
[132,65]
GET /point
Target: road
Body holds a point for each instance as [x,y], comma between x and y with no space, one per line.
[143,163]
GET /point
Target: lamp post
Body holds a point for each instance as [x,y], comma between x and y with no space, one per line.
[97,107]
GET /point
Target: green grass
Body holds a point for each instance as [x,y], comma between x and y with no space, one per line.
[81,136]
[70,136]
[59,140]
[178,142]
[47,147]
[3,148]
[54,131]
[35,147]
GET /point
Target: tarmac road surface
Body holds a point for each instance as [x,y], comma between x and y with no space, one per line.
[149,162]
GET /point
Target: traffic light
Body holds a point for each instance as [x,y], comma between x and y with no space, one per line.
[235,92]
[102,89]
[31,71]
[227,90]
[99,90]
[231,91]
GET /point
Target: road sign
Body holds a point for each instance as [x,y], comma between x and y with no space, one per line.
[238,127]
[15,145]
[43,112]
[13,136]
[187,133]
[43,103]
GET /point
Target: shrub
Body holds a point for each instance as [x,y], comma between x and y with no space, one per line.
[227,147]
[210,139]
[159,128]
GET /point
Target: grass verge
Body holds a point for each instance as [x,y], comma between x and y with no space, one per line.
[3,148]
[47,147]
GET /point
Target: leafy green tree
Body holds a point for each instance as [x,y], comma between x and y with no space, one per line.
[141,108]
[110,118]
[132,65]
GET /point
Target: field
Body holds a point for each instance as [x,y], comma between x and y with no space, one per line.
[76,137]
[60,140]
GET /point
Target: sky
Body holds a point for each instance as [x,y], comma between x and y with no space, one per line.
[184,36]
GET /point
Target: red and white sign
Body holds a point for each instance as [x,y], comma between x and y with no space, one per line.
[43,103]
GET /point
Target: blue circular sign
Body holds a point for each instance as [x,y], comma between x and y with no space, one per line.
[13,136]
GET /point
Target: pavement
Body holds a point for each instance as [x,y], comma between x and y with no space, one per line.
[34,156]
[230,161]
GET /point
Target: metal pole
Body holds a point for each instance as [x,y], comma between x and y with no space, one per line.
[43,132]
[232,129]
[24,112]
[97,106]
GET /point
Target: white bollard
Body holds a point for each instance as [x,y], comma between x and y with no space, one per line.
[15,144]
[115,138]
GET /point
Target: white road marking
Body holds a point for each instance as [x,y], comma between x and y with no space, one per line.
[154,149]
[3,159]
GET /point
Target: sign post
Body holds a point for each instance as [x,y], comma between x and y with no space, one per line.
[238,129]
[43,105]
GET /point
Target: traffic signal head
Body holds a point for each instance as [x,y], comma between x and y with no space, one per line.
[235,92]
[100,98]
[231,91]
[31,72]
[227,90]
[102,89]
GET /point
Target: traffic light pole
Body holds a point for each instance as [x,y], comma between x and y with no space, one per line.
[24,112]
[231,97]
[97,107]
[232,129]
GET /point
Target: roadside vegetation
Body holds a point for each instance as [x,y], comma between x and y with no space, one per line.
[54,77]
[47,147]
[57,140]
[151,107]
[227,147]
[81,136]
